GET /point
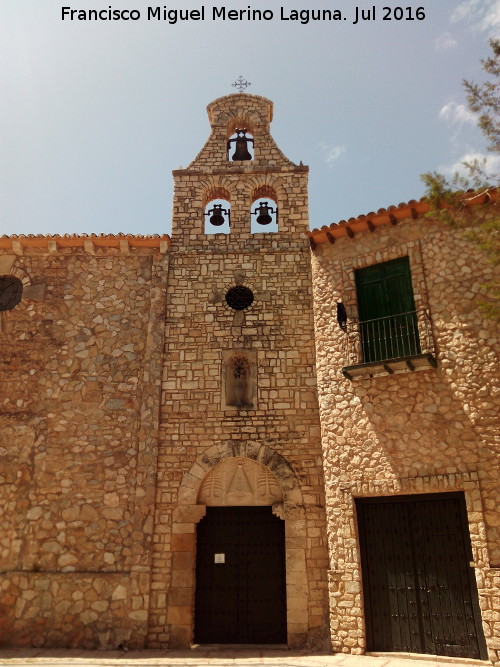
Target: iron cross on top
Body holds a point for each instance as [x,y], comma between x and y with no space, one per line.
[241,84]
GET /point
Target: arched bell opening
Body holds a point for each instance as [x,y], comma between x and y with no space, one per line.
[264,216]
[240,145]
[218,216]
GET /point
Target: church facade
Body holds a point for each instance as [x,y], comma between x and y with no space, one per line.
[247,432]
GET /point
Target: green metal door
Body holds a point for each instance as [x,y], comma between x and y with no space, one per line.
[387,317]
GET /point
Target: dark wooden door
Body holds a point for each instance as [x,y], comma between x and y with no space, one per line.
[388,322]
[240,577]
[420,591]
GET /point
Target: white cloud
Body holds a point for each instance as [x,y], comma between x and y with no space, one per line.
[332,153]
[483,15]
[457,113]
[444,42]
[491,20]
[465,10]
[489,162]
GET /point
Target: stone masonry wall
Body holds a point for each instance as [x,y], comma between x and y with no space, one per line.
[114,414]
[281,430]
[279,327]
[79,391]
[427,431]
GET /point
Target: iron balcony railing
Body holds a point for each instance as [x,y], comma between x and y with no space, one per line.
[385,338]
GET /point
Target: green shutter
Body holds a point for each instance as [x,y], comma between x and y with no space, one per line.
[385,292]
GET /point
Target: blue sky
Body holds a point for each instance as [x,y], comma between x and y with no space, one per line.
[95,115]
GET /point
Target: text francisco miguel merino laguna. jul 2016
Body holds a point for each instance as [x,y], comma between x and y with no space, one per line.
[222,13]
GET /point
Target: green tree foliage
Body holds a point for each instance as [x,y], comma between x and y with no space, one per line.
[448,197]
[484,98]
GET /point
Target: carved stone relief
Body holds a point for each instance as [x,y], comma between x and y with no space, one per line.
[239,481]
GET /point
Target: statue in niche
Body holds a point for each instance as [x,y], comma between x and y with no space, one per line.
[238,382]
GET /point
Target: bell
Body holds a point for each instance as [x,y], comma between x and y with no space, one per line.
[241,146]
[263,211]
[216,219]
[264,218]
[241,152]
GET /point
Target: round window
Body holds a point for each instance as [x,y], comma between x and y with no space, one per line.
[239,297]
[11,292]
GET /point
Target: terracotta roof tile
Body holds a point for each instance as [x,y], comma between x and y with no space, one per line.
[161,242]
[391,215]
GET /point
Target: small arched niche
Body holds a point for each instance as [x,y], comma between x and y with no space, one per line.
[217,216]
[239,386]
[239,482]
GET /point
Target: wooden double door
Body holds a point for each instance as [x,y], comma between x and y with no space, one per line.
[240,577]
[419,588]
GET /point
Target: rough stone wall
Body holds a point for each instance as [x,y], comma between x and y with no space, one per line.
[80,375]
[282,429]
[426,431]
[113,392]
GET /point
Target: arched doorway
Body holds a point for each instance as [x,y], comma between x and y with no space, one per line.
[240,593]
[240,577]
[278,491]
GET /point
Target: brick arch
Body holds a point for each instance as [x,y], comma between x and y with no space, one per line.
[180,617]
[266,186]
[263,454]
[239,123]
[264,192]
[214,187]
[21,275]
[216,192]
